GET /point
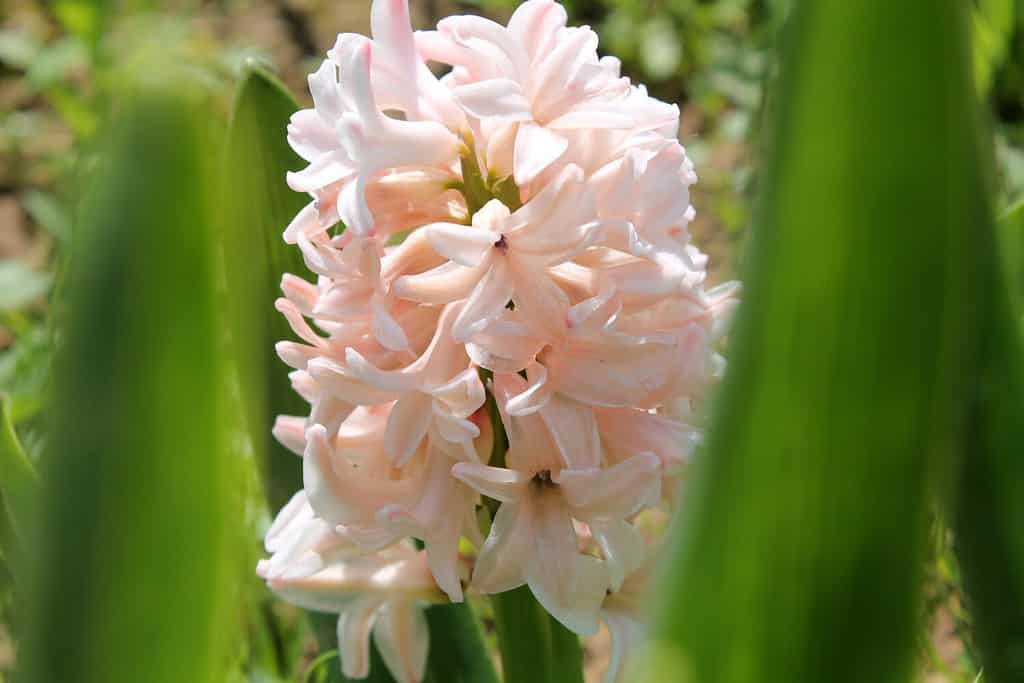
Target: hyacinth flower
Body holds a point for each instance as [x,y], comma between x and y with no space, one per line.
[514,231]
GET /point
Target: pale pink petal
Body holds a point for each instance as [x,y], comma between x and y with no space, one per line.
[290,432]
[626,635]
[338,491]
[402,638]
[407,426]
[386,329]
[622,547]
[306,222]
[613,493]
[498,98]
[536,395]
[498,483]
[354,625]
[440,285]
[569,585]
[535,23]
[459,243]
[574,430]
[486,303]
[536,148]
[501,564]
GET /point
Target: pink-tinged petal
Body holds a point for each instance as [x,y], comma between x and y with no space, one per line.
[486,303]
[303,294]
[536,148]
[622,547]
[386,329]
[627,634]
[310,135]
[323,171]
[629,431]
[298,323]
[499,483]
[535,24]
[540,302]
[402,638]
[290,432]
[502,561]
[306,222]
[354,626]
[352,208]
[593,117]
[338,491]
[437,519]
[392,381]
[574,430]
[507,345]
[535,396]
[407,426]
[295,512]
[296,355]
[345,385]
[323,86]
[613,493]
[569,585]
[464,245]
[463,395]
[497,98]
[441,285]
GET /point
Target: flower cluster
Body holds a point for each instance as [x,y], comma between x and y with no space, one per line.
[511,235]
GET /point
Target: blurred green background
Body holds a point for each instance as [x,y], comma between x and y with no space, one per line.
[62,61]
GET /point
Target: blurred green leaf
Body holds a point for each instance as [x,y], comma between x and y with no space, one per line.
[137,540]
[799,551]
[989,519]
[47,212]
[19,484]
[992,28]
[20,285]
[1011,248]
[259,205]
[24,370]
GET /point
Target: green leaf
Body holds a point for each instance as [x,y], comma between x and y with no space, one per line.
[1011,248]
[47,212]
[259,205]
[19,485]
[20,285]
[136,542]
[989,515]
[798,553]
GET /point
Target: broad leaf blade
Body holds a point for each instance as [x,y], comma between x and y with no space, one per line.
[799,554]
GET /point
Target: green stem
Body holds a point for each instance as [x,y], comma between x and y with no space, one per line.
[524,637]
[458,653]
[566,654]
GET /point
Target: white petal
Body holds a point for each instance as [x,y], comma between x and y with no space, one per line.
[536,149]
[402,638]
[354,624]
[460,243]
[486,303]
[500,565]
[622,547]
[498,483]
[499,98]
[407,425]
[613,493]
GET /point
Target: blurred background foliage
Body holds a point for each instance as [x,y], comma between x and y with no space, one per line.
[62,61]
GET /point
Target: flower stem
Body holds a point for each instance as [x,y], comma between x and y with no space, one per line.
[566,654]
[524,637]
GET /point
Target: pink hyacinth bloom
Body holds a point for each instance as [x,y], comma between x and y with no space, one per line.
[516,230]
